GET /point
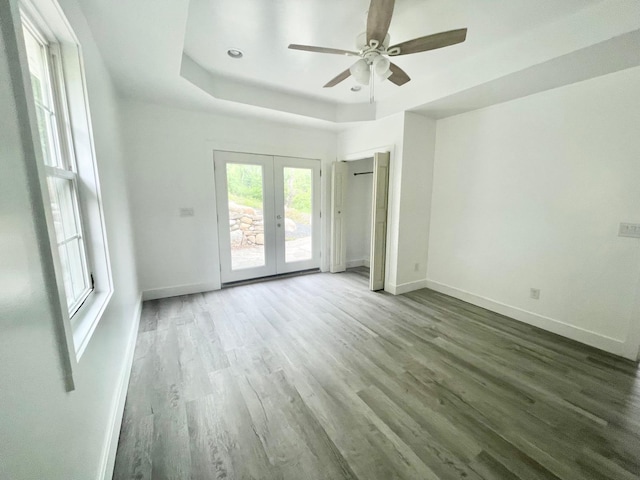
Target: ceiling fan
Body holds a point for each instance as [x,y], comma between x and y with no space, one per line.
[373,48]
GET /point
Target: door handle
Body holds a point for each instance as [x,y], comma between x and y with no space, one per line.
[278,217]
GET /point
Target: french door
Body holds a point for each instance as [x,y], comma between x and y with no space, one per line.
[268,214]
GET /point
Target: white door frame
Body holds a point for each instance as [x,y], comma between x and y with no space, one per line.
[359,155]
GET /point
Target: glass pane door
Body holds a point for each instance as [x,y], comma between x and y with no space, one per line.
[298,214]
[244,194]
[297,195]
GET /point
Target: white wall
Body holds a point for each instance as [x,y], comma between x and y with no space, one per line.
[171,166]
[530,194]
[358,212]
[45,431]
[418,150]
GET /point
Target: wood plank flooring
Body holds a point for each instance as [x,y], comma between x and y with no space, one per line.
[315,377]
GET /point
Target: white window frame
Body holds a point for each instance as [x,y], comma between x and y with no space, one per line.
[61,142]
[46,20]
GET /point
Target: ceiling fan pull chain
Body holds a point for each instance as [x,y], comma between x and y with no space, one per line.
[372,94]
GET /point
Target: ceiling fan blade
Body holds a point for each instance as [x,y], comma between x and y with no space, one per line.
[379,19]
[398,76]
[309,48]
[334,81]
[430,42]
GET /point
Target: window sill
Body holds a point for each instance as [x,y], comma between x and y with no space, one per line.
[86,319]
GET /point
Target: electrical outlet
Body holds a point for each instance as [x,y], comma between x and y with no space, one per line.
[186,212]
[535,293]
[416,267]
[629,230]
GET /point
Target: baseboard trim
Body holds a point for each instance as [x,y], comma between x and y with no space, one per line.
[155,293]
[597,340]
[356,263]
[113,434]
[405,287]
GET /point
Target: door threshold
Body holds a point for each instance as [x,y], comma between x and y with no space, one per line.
[269,278]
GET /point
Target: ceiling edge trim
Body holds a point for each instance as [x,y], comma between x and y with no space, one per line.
[616,54]
[237,91]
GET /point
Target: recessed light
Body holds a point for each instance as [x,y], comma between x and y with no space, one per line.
[356,88]
[235,53]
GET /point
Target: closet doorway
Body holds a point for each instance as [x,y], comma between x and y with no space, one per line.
[268,214]
[359,197]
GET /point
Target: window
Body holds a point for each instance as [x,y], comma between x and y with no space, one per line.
[61,124]
[60,165]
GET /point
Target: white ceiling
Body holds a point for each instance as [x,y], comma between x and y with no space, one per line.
[264,29]
[153,46]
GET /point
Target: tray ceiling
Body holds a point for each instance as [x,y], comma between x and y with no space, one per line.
[175,51]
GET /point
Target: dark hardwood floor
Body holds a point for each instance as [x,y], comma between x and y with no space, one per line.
[315,377]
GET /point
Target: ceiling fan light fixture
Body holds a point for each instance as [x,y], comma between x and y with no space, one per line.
[363,77]
[360,66]
[360,71]
[381,66]
[385,75]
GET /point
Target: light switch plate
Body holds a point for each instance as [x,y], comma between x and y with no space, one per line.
[629,230]
[186,212]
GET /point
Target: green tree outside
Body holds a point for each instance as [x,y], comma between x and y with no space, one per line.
[244,184]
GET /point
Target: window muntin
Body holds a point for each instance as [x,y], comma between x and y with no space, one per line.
[60,165]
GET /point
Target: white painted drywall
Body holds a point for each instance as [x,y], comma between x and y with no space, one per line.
[530,194]
[45,431]
[358,212]
[171,167]
[418,150]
